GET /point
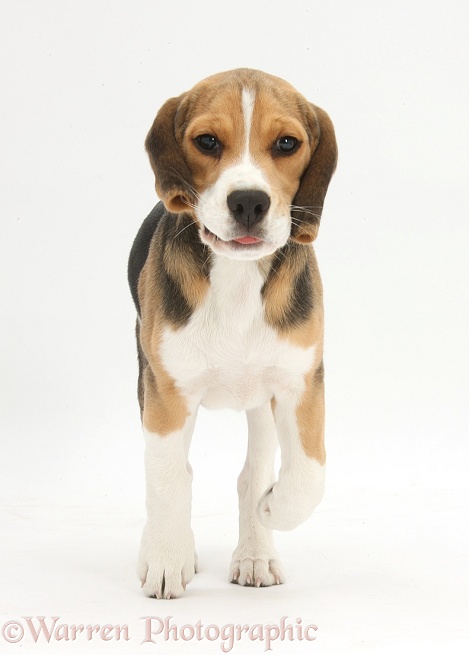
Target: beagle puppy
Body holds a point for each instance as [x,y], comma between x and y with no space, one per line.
[230,312]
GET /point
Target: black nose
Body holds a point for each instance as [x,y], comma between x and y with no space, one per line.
[248,206]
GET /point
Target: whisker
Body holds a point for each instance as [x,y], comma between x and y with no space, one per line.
[190,204]
[296,221]
[280,260]
[279,251]
[307,206]
[209,255]
[318,216]
[189,186]
[306,210]
[184,228]
[303,209]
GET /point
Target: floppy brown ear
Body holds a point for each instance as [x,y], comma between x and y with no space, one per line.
[309,198]
[173,180]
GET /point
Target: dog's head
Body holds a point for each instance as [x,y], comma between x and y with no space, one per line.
[248,157]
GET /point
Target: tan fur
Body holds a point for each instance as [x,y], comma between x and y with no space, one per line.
[273,405]
[220,114]
[165,409]
[310,415]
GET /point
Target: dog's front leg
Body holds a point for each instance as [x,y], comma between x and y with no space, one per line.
[167,558]
[255,561]
[300,429]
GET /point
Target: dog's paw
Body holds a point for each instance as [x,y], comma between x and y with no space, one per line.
[255,562]
[286,504]
[274,512]
[256,572]
[166,567]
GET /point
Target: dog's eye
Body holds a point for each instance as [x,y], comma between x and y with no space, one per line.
[286,145]
[208,143]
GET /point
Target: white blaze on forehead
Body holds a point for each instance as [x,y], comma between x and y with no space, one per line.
[248,98]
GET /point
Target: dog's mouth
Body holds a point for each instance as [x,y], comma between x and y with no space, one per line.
[247,242]
[247,247]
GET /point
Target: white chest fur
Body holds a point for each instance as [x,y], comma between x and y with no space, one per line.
[227,356]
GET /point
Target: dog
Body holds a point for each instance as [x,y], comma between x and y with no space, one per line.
[230,314]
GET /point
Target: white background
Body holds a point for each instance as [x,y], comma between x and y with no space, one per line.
[382,565]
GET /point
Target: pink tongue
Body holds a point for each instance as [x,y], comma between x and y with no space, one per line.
[247,240]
